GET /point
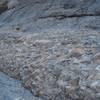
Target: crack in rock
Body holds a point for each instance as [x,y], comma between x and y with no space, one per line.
[69,16]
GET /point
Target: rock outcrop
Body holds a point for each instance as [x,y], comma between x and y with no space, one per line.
[53,47]
[29,15]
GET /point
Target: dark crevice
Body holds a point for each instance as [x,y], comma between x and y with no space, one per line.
[3,9]
[69,16]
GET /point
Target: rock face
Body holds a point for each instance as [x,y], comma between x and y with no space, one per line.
[53,47]
[76,13]
[57,66]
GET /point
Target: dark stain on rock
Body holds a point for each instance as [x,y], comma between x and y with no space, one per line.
[3,7]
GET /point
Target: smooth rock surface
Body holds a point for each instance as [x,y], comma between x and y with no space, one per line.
[11,89]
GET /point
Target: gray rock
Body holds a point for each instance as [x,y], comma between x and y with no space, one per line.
[96,85]
[96,58]
[47,44]
[11,89]
[97,68]
[43,11]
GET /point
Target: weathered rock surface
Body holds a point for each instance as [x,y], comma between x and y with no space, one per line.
[53,64]
[53,47]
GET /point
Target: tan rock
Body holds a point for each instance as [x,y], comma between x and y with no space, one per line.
[75,82]
[76,52]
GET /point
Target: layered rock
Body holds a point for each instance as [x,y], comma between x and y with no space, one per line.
[40,15]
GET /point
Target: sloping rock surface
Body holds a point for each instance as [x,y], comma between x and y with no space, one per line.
[36,15]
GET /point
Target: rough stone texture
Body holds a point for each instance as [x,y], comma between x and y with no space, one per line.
[53,47]
[50,64]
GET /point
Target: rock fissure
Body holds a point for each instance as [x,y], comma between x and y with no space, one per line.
[69,16]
